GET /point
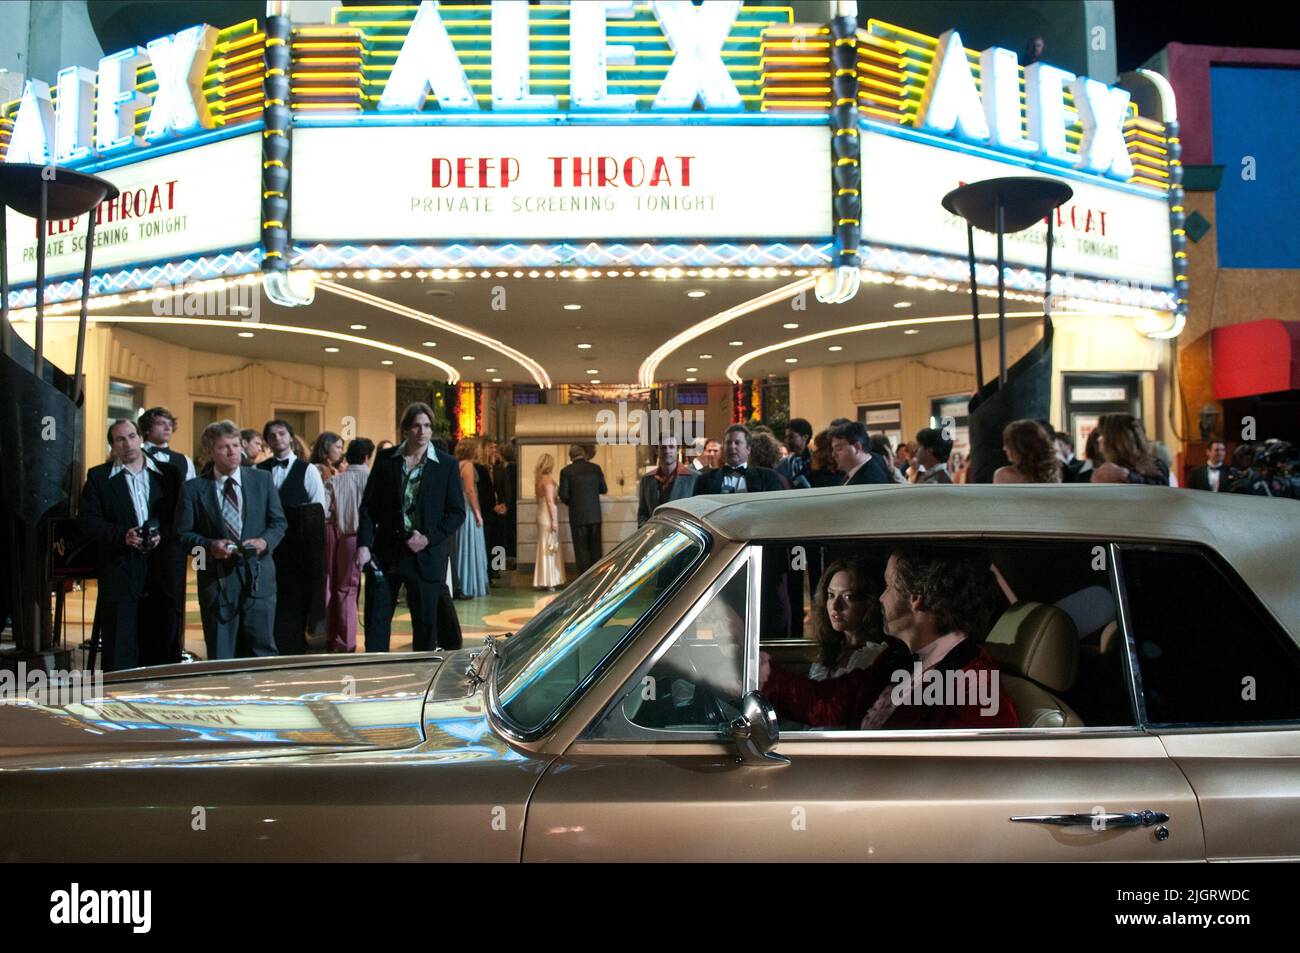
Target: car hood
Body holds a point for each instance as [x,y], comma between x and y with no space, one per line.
[272,706]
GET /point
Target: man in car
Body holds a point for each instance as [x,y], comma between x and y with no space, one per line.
[937,607]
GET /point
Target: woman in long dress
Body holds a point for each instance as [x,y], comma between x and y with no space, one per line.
[471,551]
[549,564]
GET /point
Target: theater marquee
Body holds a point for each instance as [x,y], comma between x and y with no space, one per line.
[437,183]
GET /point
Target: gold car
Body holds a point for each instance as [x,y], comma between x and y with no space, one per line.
[1146,638]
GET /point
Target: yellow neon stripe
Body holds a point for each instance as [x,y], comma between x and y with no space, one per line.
[331,59]
[272,223]
[328,74]
[793,75]
[879,112]
[324,91]
[800,104]
[272,192]
[877,84]
[228,120]
[350,107]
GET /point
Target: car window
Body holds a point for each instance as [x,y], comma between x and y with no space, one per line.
[694,685]
[545,664]
[1038,621]
[1207,652]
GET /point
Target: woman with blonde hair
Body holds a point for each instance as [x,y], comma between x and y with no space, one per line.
[549,563]
[1129,457]
[1032,452]
[471,551]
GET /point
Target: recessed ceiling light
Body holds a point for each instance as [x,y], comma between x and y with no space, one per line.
[792,360]
[573,307]
[790,325]
[245,334]
[696,293]
[736,343]
[496,380]
[467,357]
[835,347]
[691,369]
[386,362]
[592,370]
[912,331]
[690,380]
[595,380]
[331,350]
[705,357]
[357,327]
[489,370]
[902,304]
[428,343]
[584,347]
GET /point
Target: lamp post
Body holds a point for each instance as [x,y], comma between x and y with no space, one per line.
[1005,206]
[41,425]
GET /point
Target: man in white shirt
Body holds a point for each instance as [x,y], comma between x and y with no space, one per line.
[157,427]
[299,560]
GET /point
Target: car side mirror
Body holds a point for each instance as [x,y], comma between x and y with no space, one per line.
[756,733]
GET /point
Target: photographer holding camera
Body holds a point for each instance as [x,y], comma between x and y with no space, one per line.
[127,508]
[233,516]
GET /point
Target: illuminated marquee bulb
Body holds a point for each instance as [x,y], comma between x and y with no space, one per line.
[1102,111]
[179,64]
[76,114]
[1000,76]
[427,61]
[510,60]
[119,101]
[696,35]
[33,134]
[1045,108]
[951,101]
[590,56]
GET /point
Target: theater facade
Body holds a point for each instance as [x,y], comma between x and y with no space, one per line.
[521,208]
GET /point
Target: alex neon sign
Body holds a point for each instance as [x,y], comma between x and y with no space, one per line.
[44,134]
[427,61]
[988,112]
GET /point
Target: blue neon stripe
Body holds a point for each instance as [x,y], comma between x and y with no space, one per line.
[132,156]
[488,118]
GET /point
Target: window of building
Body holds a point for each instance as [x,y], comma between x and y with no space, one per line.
[125,401]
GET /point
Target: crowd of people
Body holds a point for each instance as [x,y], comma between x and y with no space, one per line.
[280,537]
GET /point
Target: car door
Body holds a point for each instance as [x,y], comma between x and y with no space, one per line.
[650,788]
[1221,689]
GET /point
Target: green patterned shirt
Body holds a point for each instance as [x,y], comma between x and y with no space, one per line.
[411,477]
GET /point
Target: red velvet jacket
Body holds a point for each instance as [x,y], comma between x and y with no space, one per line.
[845,701]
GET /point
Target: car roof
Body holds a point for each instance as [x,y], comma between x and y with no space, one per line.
[1259,537]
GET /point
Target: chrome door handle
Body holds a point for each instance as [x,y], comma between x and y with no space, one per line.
[1100,820]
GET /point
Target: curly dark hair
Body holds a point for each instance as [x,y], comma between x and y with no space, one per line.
[764,451]
[832,646]
[1036,450]
[956,587]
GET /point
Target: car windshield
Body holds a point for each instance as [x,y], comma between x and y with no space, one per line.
[545,664]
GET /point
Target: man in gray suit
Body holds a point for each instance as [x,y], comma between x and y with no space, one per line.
[668,481]
[582,483]
[233,517]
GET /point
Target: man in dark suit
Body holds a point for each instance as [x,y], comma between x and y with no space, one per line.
[299,559]
[668,481]
[138,603]
[1214,475]
[932,452]
[233,517]
[849,442]
[582,483]
[412,506]
[736,475]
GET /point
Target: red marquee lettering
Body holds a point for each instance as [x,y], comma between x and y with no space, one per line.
[627,171]
[686,170]
[607,175]
[441,173]
[660,172]
[507,175]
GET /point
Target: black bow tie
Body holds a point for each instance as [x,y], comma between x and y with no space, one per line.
[283,463]
[729,471]
[157,452]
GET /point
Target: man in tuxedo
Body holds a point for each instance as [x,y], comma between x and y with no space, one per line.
[157,427]
[849,444]
[582,484]
[138,606]
[932,452]
[233,516]
[412,506]
[1071,466]
[1214,475]
[736,475]
[299,560]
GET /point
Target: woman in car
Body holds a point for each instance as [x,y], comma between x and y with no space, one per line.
[846,620]
[1129,457]
[1032,453]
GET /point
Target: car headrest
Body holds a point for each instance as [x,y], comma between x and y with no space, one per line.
[1037,641]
